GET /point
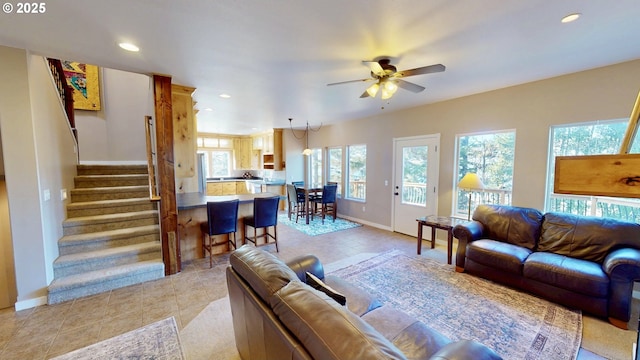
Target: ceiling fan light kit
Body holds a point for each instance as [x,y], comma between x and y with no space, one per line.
[388,79]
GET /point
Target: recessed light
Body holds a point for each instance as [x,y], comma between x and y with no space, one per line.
[225,96]
[571,17]
[129,47]
[208,109]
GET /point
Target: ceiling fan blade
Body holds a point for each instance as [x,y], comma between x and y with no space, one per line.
[421,70]
[350,81]
[375,67]
[410,86]
[364,95]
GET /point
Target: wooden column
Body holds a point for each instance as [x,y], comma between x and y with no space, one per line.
[166,176]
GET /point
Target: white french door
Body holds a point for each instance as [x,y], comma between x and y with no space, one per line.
[415,181]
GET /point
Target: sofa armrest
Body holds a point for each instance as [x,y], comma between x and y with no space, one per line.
[465,349]
[466,233]
[623,268]
[301,264]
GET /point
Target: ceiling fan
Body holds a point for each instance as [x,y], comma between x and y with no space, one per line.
[387,78]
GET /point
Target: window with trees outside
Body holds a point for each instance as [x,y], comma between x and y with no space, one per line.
[315,160]
[490,155]
[357,172]
[334,167]
[217,158]
[592,138]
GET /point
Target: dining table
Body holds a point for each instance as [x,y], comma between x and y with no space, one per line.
[310,193]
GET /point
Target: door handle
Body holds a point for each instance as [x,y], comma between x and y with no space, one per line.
[395,193]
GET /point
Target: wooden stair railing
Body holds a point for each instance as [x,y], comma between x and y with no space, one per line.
[65,91]
[153,186]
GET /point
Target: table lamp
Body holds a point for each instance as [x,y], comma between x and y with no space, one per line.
[469,182]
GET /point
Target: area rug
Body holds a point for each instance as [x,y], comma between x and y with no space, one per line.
[516,325]
[159,341]
[315,226]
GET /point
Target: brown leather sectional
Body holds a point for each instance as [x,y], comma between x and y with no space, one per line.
[276,315]
[589,263]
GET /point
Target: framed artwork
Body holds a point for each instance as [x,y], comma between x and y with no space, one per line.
[83,79]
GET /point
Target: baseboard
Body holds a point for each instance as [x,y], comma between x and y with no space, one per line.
[31,303]
[363,222]
[123,162]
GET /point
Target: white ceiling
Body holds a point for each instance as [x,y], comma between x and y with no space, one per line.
[275,57]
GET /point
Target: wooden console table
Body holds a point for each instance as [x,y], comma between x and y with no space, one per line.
[442,223]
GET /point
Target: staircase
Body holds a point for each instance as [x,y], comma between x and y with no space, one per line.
[111,234]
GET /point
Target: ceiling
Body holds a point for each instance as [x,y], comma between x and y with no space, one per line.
[275,57]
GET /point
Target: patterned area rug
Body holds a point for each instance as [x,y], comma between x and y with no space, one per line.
[516,325]
[315,226]
[158,341]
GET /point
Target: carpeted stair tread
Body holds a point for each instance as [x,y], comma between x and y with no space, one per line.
[107,218]
[71,259]
[110,189]
[107,203]
[79,280]
[108,234]
[87,169]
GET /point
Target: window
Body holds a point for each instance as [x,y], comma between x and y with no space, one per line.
[357,172]
[490,156]
[598,137]
[315,161]
[218,155]
[334,167]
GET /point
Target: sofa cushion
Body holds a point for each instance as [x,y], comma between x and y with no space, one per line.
[359,301]
[584,237]
[263,271]
[498,255]
[581,276]
[317,284]
[510,224]
[326,329]
[415,339]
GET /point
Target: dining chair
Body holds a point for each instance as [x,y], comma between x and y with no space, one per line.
[327,201]
[296,204]
[222,218]
[265,215]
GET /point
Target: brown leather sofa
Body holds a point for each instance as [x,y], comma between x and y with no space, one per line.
[582,262]
[276,315]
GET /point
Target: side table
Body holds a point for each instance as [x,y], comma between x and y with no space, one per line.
[438,222]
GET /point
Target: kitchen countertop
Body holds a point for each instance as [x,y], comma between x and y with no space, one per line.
[256,180]
[196,200]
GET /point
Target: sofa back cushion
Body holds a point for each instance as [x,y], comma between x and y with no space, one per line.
[585,237]
[326,329]
[510,224]
[264,272]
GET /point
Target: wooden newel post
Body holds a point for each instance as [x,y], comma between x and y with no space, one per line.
[166,179]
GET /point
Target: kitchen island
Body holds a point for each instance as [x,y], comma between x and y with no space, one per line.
[192,210]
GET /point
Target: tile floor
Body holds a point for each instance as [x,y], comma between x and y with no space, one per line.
[47,331]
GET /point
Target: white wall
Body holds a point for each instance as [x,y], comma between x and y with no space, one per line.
[39,154]
[116,132]
[55,154]
[530,109]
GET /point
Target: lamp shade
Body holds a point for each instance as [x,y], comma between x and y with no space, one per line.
[306,152]
[471,181]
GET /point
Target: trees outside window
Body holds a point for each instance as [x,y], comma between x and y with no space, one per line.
[490,155]
[334,166]
[357,172]
[315,160]
[592,138]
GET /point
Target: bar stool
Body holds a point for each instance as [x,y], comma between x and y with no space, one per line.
[222,218]
[296,204]
[265,215]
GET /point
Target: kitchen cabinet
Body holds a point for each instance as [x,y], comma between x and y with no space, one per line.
[241,188]
[243,153]
[272,158]
[214,188]
[229,188]
[184,131]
